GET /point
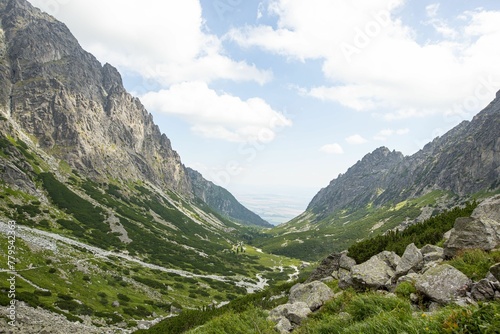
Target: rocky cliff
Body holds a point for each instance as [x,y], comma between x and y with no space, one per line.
[464,161]
[74,108]
[64,102]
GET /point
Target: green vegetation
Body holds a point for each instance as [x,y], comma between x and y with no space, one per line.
[475,263]
[311,237]
[428,232]
[375,313]
[246,307]
[350,312]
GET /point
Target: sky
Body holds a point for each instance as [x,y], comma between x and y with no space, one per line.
[273,99]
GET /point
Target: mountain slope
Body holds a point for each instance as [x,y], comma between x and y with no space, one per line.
[223,201]
[464,161]
[386,190]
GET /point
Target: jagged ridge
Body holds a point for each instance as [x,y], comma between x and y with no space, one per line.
[464,161]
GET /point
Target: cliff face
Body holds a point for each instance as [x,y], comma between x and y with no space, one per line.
[60,98]
[464,161]
[361,184]
[74,108]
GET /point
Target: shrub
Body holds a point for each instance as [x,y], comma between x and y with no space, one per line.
[29,298]
[64,297]
[475,263]
[52,270]
[43,293]
[405,289]
[123,297]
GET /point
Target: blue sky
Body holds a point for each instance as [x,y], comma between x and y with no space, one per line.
[273,99]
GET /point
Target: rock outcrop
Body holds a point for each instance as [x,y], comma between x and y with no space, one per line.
[443,284]
[375,273]
[303,299]
[77,110]
[480,231]
[313,294]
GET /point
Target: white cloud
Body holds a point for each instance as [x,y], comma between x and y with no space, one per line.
[332,149]
[356,139]
[218,115]
[439,24]
[376,61]
[161,40]
[432,9]
[386,133]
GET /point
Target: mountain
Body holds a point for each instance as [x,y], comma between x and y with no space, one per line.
[78,111]
[223,201]
[464,161]
[387,190]
[111,226]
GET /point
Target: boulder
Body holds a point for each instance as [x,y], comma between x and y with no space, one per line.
[346,262]
[314,294]
[293,312]
[442,284]
[488,209]
[392,259]
[325,269]
[432,253]
[410,278]
[345,278]
[376,272]
[344,273]
[480,231]
[412,259]
[284,326]
[495,271]
[483,290]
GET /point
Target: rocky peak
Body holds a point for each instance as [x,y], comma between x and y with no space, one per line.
[464,160]
[359,185]
[111,78]
[59,95]
[76,109]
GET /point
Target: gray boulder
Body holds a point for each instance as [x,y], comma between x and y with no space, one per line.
[326,268]
[495,271]
[488,209]
[432,253]
[345,278]
[314,294]
[442,284]
[480,231]
[483,290]
[293,312]
[412,259]
[284,326]
[344,273]
[376,272]
[346,262]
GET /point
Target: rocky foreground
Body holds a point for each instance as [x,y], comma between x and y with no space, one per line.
[437,282]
